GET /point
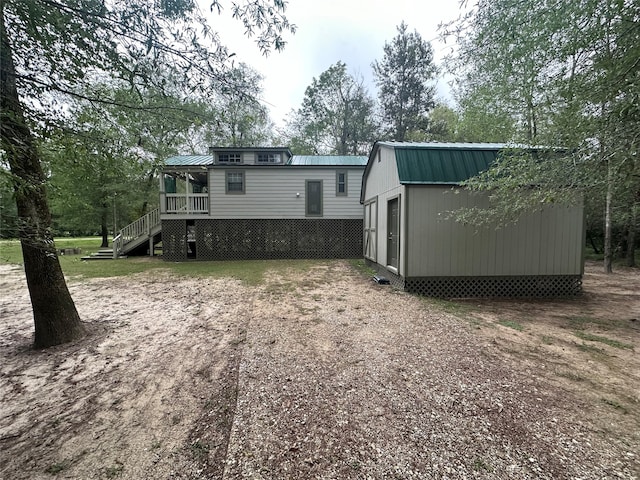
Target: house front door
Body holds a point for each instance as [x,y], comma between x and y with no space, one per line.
[393,235]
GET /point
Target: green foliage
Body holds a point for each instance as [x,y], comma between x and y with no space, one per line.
[336,117]
[403,77]
[104,168]
[558,74]
[443,124]
[523,181]
[241,120]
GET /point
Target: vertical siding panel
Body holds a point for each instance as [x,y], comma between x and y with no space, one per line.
[440,231]
[556,243]
[543,238]
[461,242]
[533,251]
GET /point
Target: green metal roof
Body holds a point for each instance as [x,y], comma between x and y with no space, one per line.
[440,165]
[436,163]
[329,160]
[189,160]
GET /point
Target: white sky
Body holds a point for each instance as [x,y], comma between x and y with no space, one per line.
[328,31]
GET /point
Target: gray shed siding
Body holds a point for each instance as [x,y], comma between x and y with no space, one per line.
[549,242]
[271,192]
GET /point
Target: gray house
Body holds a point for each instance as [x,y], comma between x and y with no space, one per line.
[407,191]
[255,203]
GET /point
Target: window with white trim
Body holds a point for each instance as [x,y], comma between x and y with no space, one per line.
[232,157]
[341,183]
[266,157]
[234,182]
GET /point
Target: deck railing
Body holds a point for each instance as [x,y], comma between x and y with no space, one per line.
[193,203]
[140,227]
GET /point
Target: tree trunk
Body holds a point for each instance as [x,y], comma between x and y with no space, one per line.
[631,237]
[608,254]
[55,316]
[104,227]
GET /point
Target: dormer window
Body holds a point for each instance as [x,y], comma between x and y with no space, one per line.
[265,157]
[229,158]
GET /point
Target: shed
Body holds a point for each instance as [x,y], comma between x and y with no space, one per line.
[408,189]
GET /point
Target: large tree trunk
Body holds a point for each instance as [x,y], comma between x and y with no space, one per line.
[631,237]
[55,316]
[608,252]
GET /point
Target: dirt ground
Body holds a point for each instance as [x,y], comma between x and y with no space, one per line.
[322,374]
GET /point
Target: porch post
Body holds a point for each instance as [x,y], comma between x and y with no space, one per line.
[188,191]
[163,194]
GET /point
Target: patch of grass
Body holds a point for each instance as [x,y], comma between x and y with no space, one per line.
[449,306]
[591,349]
[115,471]
[616,405]
[360,265]
[607,341]
[583,322]
[511,324]
[11,251]
[58,467]
[547,340]
[571,376]
[199,450]
[278,288]
[251,273]
[480,465]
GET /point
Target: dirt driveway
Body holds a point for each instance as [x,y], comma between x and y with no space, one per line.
[321,374]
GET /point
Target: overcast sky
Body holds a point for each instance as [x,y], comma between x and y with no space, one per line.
[328,31]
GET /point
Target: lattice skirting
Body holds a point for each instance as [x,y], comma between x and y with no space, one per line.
[507,286]
[476,287]
[395,280]
[217,239]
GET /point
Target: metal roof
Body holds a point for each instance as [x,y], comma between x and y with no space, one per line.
[442,166]
[189,160]
[329,160]
[437,163]
[448,146]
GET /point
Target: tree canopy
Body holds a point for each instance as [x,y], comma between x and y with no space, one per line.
[404,78]
[337,116]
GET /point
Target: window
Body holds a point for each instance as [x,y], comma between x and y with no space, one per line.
[268,157]
[234,182]
[229,158]
[341,183]
[314,198]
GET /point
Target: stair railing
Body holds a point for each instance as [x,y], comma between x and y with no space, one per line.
[135,230]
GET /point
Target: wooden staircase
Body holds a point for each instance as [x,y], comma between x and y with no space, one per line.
[102,254]
[139,236]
